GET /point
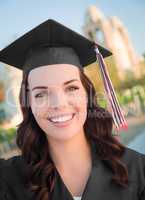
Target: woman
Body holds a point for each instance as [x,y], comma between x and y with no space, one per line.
[68,151]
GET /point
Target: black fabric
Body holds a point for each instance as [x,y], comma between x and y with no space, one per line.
[98,187]
[49,56]
[49,34]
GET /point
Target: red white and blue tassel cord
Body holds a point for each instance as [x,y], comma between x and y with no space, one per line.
[117,114]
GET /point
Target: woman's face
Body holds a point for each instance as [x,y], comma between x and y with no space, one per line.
[58,100]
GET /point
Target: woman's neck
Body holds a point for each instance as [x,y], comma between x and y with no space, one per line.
[70,154]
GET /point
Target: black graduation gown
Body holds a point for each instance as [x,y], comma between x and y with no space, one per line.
[98,187]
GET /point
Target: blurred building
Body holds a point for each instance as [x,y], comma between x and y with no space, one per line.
[111,33]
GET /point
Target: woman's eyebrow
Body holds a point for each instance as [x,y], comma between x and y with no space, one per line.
[45,87]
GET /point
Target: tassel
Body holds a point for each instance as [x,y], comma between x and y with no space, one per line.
[117,113]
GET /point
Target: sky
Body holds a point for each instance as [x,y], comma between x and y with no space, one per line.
[17,17]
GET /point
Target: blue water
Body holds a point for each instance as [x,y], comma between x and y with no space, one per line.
[138,143]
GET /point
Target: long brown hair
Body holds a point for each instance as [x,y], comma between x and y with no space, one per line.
[33,143]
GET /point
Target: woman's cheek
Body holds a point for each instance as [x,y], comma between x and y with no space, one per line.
[81,100]
[38,111]
[81,106]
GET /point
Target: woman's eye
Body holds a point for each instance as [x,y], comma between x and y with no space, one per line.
[39,95]
[72,88]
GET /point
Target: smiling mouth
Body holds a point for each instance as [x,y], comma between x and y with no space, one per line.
[62,121]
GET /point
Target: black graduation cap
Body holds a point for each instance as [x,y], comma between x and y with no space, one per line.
[54,43]
[50,43]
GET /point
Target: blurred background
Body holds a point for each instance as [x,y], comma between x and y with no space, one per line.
[117,25]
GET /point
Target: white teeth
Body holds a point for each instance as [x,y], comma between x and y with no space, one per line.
[61,119]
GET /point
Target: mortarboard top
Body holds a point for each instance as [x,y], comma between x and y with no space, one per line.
[50,43]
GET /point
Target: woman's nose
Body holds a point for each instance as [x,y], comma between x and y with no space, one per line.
[57,100]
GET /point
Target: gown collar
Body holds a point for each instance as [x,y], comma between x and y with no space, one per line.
[61,188]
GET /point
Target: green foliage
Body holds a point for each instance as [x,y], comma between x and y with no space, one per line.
[7,134]
[124,98]
[131,82]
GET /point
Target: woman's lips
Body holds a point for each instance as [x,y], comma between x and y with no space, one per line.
[63,124]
